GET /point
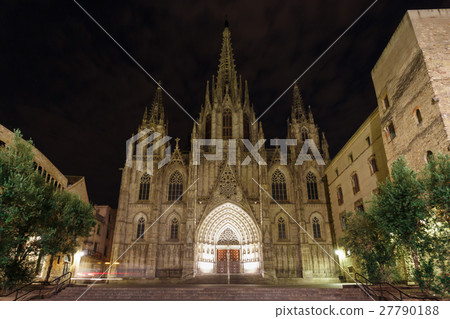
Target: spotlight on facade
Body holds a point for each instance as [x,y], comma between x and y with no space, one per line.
[340,253]
[78,255]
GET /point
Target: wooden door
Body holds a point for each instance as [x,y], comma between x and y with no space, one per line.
[234,261]
[221,260]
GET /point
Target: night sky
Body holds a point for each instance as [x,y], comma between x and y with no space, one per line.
[71,89]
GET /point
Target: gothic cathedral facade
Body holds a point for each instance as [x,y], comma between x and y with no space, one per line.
[268,218]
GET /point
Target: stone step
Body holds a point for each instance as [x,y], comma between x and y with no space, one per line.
[210,293]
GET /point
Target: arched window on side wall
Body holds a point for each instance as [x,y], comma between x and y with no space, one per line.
[175,186]
[174,229]
[418,116]
[140,228]
[279,186]
[144,187]
[281,228]
[316,228]
[227,124]
[355,183]
[208,127]
[340,196]
[373,165]
[311,185]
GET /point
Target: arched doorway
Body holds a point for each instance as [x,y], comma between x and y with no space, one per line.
[228,239]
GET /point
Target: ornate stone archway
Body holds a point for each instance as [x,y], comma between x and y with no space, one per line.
[228,227]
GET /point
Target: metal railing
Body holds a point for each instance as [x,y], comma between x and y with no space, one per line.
[58,284]
[378,289]
[368,287]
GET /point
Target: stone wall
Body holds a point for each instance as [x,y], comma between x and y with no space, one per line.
[412,75]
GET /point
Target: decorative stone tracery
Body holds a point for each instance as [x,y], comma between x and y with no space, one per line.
[228,237]
[227,183]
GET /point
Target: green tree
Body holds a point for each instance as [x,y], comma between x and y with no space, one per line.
[372,246]
[408,217]
[22,208]
[400,209]
[35,218]
[70,219]
[436,179]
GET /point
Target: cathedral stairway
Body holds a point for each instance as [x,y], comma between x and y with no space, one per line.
[234,279]
[211,292]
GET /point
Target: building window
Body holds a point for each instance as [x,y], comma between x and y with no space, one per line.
[279,186]
[107,233]
[391,131]
[344,222]
[386,102]
[368,140]
[359,206]
[418,116]
[144,188]
[174,229]
[355,183]
[430,156]
[373,165]
[311,185]
[227,123]
[350,158]
[175,186]
[140,228]
[340,196]
[337,172]
[304,134]
[105,251]
[316,228]
[95,246]
[281,228]
[98,229]
[246,127]
[208,127]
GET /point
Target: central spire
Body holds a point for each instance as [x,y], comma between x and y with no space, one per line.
[226,75]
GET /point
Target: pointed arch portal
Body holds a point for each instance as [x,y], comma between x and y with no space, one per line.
[228,238]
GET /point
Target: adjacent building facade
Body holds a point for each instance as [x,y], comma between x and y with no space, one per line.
[43,165]
[412,85]
[94,255]
[411,81]
[94,251]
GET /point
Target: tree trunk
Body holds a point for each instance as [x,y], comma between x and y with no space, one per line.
[49,269]
[38,263]
[415,258]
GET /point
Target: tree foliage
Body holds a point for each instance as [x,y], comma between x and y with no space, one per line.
[371,244]
[34,216]
[408,217]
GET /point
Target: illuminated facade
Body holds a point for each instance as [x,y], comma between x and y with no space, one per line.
[224,221]
[411,82]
